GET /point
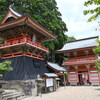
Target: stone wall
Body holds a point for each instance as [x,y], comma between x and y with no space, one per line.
[28,87]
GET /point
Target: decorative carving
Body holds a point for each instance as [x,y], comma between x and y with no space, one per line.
[67,54]
[87,66]
[86,52]
[75,53]
[67,68]
[76,66]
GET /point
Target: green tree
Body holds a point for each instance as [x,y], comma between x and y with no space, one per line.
[97,51]
[46,13]
[59,57]
[95,12]
[71,38]
[97,65]
[5,66]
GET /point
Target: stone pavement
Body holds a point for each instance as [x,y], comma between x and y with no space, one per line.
[71,93]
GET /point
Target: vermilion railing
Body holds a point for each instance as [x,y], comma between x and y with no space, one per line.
[22,39]
[80,61]
[18,54]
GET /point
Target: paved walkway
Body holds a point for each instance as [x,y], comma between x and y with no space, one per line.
[71,93]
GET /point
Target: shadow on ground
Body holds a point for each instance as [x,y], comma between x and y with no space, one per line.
[98,89]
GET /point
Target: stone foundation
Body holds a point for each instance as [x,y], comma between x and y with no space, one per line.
[28,87]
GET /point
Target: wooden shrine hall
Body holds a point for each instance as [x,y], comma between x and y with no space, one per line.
[58,70]
[81,60]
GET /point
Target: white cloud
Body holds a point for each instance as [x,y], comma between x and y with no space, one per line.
[76,21]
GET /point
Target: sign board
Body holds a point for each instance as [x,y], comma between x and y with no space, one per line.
[49,82]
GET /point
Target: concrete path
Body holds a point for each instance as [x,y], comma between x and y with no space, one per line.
[71,93]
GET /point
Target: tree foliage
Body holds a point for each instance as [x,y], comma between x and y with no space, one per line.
[59,57]
[95,12]
[97,65]
[5,66]
[97,51]
[71,38]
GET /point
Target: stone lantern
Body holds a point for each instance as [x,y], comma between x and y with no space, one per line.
[40,84]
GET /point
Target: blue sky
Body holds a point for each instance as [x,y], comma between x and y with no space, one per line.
[76,21]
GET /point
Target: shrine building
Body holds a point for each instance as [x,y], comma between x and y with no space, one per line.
[22,45]
[81,60]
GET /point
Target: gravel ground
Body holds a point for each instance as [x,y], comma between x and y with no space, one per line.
[71,93]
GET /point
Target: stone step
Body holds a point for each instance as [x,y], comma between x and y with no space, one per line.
[22,97]
[13,95]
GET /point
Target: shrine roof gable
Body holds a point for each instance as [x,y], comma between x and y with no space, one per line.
[12,13]
[24,19]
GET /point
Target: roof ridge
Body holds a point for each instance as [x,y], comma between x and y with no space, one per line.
[83,39]
[52,63]
[15,11]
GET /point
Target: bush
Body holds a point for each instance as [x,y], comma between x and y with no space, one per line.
[5,66]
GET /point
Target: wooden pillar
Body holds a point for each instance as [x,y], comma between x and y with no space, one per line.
[64,79]
[76,68]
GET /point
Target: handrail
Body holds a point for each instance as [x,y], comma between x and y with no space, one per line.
[22,39]
[80,61]
[18,54]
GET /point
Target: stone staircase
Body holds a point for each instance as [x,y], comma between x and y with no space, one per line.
[13,95]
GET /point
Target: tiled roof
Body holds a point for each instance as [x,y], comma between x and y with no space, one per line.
[82,43]
[56,66]
[50,75]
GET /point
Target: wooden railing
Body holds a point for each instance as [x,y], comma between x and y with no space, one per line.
[80,61]
[18,54]
[23,39]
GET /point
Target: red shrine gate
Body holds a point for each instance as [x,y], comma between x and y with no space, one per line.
[81,62]
[84,78]
[82,72]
